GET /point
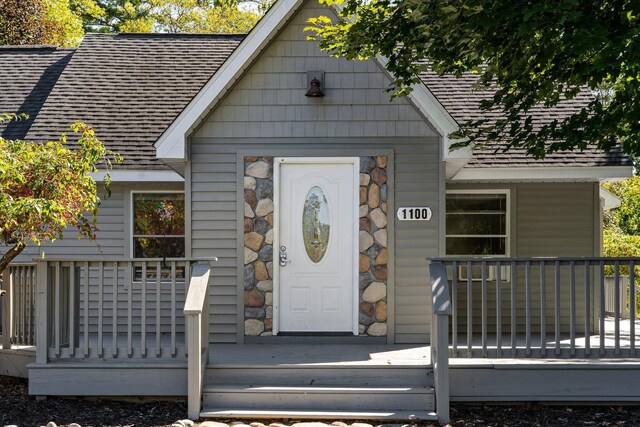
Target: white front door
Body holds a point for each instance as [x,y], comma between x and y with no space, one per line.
[317,218]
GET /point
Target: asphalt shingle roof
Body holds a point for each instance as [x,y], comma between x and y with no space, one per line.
[27,76]
[462,100]
[130,87]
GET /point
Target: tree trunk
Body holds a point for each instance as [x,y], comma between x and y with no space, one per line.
[10,255]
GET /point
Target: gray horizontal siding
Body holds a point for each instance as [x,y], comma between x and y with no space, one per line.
[267,113]
[413,240]
[110,235]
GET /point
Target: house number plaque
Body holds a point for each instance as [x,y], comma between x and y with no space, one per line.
[414,214]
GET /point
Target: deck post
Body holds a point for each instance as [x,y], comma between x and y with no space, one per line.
[194,362]
[441,311]
[42,313]
[195,310]
[441,366]
[7,308]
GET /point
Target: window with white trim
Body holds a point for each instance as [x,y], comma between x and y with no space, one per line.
[158,225]
[477,224]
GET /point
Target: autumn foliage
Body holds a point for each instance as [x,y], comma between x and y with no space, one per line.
[47,187]
[25,22]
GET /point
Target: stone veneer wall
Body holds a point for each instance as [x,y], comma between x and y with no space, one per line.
[373,246]
[258,246]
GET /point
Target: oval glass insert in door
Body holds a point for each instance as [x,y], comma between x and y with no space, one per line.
[315,224]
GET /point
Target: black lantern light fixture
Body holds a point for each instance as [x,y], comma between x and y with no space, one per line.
[315,87]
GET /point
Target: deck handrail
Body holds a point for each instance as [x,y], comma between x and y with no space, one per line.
[196,310]
[124,259]
[552,307]
[440,313]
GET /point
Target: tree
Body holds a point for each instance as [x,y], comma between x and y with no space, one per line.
[621,234]
[69,24]
[196,16]
[26,22]
[47,187]
[119,16]
[528,54]
[29,22]
[176,16]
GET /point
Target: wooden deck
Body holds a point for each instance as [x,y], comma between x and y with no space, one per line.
[14,361]
[267,355]
[606,340]
[321,381]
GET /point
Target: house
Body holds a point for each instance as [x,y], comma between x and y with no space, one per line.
[264,252]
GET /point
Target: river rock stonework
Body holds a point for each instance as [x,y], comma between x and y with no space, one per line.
[258,246]
[373,256]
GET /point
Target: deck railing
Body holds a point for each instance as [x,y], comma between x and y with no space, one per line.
[19,305]
[541,307]
[112,308]
[196,309]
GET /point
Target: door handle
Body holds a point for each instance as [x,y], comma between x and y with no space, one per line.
[283,256]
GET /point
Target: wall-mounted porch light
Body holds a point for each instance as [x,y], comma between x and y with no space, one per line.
[315,84]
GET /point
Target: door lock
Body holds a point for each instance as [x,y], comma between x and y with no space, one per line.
[283,256]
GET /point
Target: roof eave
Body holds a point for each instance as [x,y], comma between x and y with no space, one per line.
[443,122]
[544,174]
[139,176]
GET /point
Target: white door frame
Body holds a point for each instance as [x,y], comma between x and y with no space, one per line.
[277,161]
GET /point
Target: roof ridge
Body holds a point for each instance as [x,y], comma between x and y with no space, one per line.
[169,35]
[48,47]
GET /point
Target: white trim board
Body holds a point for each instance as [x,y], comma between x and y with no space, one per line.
[141,176]
[172,143]
[609,200]
[544,174]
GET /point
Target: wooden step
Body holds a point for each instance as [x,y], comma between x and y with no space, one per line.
[334,398]
[357,376]
[314,414]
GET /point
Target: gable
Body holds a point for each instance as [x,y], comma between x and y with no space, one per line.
[276,57]
[269,100]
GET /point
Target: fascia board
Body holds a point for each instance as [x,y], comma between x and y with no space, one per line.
[435,113]
[141,176]
[544,174]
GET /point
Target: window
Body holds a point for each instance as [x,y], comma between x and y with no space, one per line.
[158,225]
[477,224]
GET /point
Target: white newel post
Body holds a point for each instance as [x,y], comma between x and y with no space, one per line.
[7,309]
